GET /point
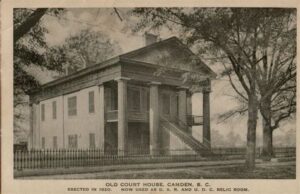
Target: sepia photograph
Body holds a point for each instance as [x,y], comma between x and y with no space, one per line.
[160,97]
[154,93]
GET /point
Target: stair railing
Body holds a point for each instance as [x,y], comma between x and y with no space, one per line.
[206,142]
[181,123]
[184,134]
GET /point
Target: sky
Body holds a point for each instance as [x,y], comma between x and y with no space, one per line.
[107,21]
[103,20]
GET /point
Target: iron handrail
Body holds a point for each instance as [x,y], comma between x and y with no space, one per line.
[205,144]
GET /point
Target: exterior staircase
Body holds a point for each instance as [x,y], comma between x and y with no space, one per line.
[178,129]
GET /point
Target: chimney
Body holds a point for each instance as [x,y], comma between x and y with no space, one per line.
[150,38]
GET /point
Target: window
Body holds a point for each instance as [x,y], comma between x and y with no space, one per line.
[134,98]
[114,98]
[43,112]
[54,109]
[55,142]
[72,142]
[72,106]
[91,102]
[111,98]
[92,141]
[166,104]
[43,143]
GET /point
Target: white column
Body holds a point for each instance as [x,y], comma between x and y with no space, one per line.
[35,125]
[122,116]
[63,121]
[206,118]
[189,111]
[30,139]
[101,116]
[154,118]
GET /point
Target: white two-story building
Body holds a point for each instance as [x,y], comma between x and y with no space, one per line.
[138,102]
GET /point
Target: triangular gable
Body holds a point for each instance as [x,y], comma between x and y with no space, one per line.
[170,53]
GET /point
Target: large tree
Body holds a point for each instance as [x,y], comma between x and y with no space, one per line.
[29,46]
[236,35]
[83,49]
[276,72]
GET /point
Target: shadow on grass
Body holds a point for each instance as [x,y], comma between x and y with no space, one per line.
[229,172]
[240,172]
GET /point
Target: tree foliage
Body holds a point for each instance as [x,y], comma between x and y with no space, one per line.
[29,49]
[83,49]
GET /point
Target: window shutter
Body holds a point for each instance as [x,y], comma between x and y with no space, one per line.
[91,102]
[54,109]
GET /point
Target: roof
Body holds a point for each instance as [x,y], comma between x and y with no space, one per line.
[126,57]
[176,42]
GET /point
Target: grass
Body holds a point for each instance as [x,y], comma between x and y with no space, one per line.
[265,170]
[229,172]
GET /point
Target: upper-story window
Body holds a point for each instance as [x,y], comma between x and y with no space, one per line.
[134,99]
[54,109]
[72,106]
[111,98]
[166,103]
[91,102]
[43,112]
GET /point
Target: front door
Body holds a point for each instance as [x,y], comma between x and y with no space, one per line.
[111,138]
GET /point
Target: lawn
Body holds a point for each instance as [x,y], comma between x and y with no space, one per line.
[265,170]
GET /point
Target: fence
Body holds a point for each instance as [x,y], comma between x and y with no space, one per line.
[75,158]
[35,159]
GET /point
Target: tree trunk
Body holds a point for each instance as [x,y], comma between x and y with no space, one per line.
[267,152]
[265,110]
[251,133]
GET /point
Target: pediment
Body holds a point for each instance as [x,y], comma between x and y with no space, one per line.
[170,53]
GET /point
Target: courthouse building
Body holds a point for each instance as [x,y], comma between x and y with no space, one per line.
[137,102]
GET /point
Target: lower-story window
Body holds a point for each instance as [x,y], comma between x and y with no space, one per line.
[92,141]
[72,142]
[43,143]
[55,142]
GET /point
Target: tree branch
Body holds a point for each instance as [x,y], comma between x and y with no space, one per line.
[233,85]
[32,20]
[118,14]
[283,116]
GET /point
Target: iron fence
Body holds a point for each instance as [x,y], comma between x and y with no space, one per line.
[62,158]
[34,159]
